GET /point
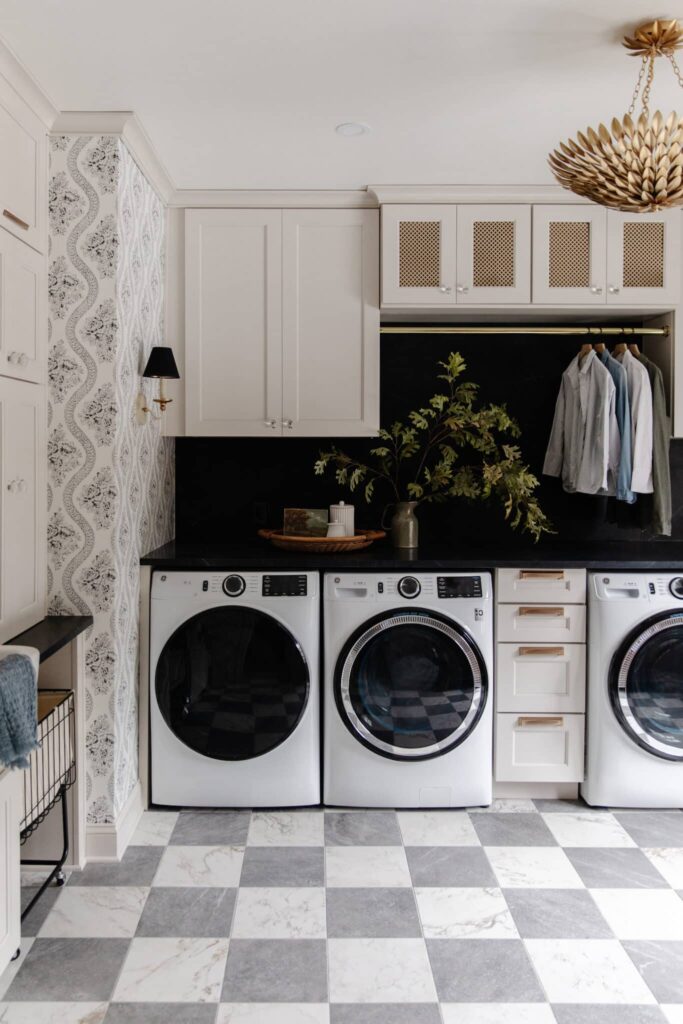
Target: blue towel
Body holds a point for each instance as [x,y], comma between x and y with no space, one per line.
[18,716]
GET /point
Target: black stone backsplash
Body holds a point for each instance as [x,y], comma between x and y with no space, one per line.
[227,487]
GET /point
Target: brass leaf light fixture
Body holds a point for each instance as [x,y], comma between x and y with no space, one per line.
[638,166]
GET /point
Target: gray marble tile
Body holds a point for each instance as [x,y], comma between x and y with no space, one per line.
[211,828]
[384,1013]
[276,970]
[512,830]
[661,966]
[561,806]
[268,866]
[362,828]
[614,867]
[653,828]
[33,922]
[193,912]
[69,970]
[478,971]
[556,914]
[161,1013]
[372,913]
[137,867]
[449,866]
[595,1013]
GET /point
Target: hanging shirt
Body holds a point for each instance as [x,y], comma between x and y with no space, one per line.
[640,400]
[622,488]
[661,468]
[584,441]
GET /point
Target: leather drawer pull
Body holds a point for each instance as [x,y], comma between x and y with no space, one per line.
[541,610]
[524,721]
[551,652]
[16,220]
[541,574]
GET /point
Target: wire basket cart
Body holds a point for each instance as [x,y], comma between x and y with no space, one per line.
[51,773]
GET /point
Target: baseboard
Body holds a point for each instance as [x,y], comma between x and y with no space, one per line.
[108,842]
[535,790]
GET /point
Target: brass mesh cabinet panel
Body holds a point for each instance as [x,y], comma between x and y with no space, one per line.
[419,244]
[643,255]
[569,254]
[493,254]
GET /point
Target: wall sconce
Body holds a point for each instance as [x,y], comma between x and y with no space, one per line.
[162,366]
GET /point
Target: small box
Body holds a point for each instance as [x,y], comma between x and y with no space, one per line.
[306,522]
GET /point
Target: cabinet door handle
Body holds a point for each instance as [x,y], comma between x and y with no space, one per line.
[288,424]
[596,291]
[13,358]
[462,289]
[541,574]
[16,220]
[550,652]
[526,721]
[612,290]
[23,359]
[12,486]
[22,486]
[270,423]
[541,609]
[444,288]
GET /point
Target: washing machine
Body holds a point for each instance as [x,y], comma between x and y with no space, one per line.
[634,755]
[234,689]
[408,689]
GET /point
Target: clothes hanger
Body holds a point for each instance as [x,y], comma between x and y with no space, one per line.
[585,349]
[620,348]
[599,346]
[633,349]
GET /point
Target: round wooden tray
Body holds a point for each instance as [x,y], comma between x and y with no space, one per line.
[322,545]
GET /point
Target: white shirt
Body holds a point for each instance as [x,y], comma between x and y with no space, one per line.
[584,446]
[640,400]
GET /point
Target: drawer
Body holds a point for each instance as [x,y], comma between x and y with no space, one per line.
[536,586]
[539,748]
[541,677]
[541,623]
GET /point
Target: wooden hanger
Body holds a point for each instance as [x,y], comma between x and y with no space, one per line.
[620,348]
[585,349]
[599,346]
[633,349]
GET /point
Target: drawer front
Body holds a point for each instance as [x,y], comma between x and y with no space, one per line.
[541,677]
[541,623]
[539,748]
[538,586]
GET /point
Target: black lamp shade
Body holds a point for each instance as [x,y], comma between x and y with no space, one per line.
[161,364]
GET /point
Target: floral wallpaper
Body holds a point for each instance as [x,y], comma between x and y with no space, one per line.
[111,480]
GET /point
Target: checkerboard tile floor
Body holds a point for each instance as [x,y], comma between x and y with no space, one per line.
[528,912]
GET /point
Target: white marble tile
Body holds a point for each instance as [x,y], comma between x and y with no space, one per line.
[52,1013]
[379,971]
[497,1013]
[503,805]
[587,971]
[287,828]
[587,828]
[641,913]
[280,913]
[672,1012]
[172,971]
[533,867]
[437,828]
[669,863]
[469,913]
[273,1013]
[200,865]
[154,828]
[366,866]
[84,912]
[12,969]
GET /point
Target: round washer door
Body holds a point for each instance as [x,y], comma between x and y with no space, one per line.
[646,685]
[232,683]
[410,685]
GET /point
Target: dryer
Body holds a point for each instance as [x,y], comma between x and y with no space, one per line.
[234,698]
[634,754]
[408,689]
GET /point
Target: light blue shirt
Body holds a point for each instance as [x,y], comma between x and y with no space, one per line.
[623,414]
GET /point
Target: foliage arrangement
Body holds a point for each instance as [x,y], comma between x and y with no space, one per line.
[453,447]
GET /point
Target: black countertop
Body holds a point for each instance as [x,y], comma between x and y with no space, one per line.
[659,555]
[52,633]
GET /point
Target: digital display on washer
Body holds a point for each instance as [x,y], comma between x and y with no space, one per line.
[284,586]
[459,586]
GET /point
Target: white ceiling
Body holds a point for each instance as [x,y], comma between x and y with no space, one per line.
[247,94]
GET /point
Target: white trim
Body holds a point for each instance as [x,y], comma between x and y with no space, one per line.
[108,842]
[296,199]
[535,790]
[25,85]
[473,194]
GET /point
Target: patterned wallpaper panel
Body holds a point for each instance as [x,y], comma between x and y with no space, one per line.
[111,482]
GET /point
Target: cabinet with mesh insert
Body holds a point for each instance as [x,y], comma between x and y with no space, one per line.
[643,257]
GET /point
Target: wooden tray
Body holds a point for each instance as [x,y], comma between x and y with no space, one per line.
[322,545]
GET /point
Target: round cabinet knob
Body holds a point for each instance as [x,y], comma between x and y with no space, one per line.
[596,291]
[612,290]
[676,587]
[409,587]
[13,358]
[288,424]
[23,359]
[462,289]
[270,423]
[233,585]
[444,288]
[22,486]
[12,486]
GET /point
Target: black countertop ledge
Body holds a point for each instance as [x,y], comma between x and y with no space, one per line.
[52,633]
[381,557]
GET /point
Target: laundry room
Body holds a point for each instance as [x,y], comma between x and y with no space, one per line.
[341,531]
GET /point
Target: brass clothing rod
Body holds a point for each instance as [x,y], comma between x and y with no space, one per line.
[518,329]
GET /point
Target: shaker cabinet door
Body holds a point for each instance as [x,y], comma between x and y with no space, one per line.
[418,255]
[643,257]
[570,254]
[23,170]
[493,254]
[23,313]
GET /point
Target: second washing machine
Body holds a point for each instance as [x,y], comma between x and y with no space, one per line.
[408,690]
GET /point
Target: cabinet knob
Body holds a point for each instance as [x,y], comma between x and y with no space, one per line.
[462,289]
[23,359]
[612,290]
[288,424]
[444,288]
[21,484]
[13,358]
[270,423]
[596,291]
[12,486]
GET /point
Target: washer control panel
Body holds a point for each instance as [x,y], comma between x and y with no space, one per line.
[459,586]
[284,586]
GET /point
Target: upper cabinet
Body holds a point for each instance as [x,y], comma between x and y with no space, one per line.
[418,255]
[493,254]
[23,177]
[643,257]
[23,311]
[282,323]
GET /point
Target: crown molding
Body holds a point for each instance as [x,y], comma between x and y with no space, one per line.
[474,194]
[126,124]
[187,198]
[25,85]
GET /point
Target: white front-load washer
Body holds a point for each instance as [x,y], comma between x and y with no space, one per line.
[634,754]
[234,689]
[408,689]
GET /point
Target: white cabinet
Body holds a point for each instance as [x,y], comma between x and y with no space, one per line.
[23,312]
[11,809]
[282,323]
[569,261]
[23,170]
[23,539]
[643,257]
[418,255]
[493,254]
[539,748]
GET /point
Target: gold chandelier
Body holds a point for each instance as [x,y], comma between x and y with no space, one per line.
[638,166]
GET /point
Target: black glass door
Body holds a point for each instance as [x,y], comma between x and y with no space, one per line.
[232,683]
[646,685]
[410,685]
